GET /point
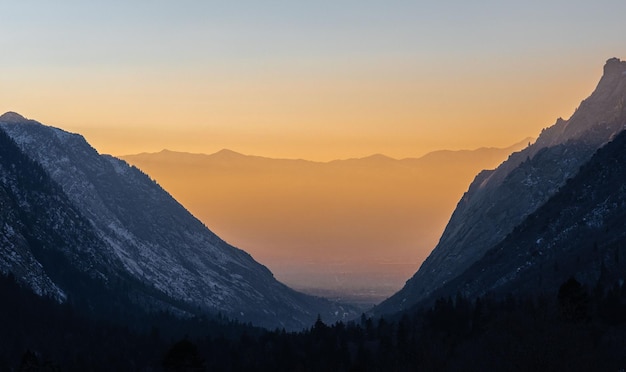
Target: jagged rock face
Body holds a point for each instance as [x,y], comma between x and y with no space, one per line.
[145,233]
[499,200]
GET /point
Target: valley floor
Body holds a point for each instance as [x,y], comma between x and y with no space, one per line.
[360,283]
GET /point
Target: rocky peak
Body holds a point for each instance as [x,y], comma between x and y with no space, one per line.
[612,83]
[12,117]
[614,66]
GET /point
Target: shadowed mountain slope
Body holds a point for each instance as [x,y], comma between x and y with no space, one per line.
[146,235]
[579,232]
[499,200]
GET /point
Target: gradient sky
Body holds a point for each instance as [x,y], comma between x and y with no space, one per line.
[316,80]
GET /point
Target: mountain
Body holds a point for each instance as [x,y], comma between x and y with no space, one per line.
[110,221]
[320,226]
[580,231]
[499,200]
[37,216]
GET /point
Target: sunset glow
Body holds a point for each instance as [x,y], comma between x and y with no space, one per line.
[318,81]
[358,227]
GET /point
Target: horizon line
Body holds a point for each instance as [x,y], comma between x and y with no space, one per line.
[237,153]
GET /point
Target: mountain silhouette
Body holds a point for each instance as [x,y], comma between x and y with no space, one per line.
[501,199]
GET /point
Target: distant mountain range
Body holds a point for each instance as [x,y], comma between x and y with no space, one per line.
[522,223]
[352,228]
[87,227]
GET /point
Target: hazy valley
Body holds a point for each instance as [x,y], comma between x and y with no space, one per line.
[353,229]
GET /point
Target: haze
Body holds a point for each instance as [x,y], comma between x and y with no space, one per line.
[354,229]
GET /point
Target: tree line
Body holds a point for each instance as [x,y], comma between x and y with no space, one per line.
[576,329]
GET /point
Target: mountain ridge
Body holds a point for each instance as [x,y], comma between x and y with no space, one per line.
[578,232]
[152,238]
[498,200]
[230,152]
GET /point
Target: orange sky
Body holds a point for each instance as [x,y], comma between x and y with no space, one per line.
[312,117]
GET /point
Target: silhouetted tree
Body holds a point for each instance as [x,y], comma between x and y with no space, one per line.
[573,301]
[183,357]
[30,362]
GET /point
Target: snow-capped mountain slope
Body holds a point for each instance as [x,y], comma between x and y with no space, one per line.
[500,199]
[151,237]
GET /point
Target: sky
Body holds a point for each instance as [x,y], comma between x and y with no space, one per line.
[316,80]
